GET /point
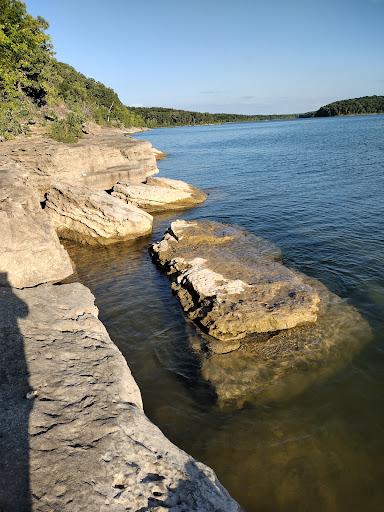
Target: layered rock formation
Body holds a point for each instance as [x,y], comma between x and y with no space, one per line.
[231,283]
[159,194]
[74,435]
[98,160]
[93,216]
[267,331]
[30,251]
[280,365]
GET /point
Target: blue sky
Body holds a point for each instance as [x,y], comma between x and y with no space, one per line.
[243,56]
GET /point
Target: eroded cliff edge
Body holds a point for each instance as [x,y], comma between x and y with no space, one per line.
[74,434]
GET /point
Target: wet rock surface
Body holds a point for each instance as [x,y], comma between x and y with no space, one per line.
[278,366]
[74,435]
[212,267]
[232,283]
[93,216]
[159,194]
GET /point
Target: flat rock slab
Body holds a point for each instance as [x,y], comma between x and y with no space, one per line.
[30,251]
[93,216]
[159,194]
[232,283]
[73,433]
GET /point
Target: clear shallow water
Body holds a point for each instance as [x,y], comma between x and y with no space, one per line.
[316,188]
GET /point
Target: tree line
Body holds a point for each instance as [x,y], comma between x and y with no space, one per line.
[163,117]
[363,105]
[35,87]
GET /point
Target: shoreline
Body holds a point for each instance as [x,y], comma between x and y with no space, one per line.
[78,404]
[263,121]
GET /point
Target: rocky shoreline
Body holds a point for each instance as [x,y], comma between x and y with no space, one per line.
[74,434]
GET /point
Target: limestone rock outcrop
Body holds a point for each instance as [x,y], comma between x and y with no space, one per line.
[159,194]
[267,332]
[93,216]
[73,433]
[30,251]
[99,160]
[232,283]
[13,189]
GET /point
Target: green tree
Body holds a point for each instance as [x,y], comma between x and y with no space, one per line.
[25,53]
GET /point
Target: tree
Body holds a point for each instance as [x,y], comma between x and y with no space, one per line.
[25,53]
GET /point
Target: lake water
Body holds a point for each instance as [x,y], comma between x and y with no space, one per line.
[316,188]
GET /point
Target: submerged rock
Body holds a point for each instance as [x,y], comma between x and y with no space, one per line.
[231,283]
[93,216]
[159,194]
[30,251]
[73,433]
[268,331]
[283,364]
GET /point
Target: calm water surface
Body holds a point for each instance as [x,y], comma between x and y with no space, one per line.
[316,188]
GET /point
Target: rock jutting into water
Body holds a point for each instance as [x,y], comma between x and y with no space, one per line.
[159,194]
[93,216]
[159,155]
[231,283]
[73,434]
[268,331]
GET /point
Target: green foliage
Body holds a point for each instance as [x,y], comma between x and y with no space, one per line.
[161,117]
[25,53]
[68,129]
[14,117]
[30,74]
[89,98]
[34,84]
[364,105]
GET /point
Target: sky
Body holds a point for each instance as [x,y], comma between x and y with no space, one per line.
[235,56]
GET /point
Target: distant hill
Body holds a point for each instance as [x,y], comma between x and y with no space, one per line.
[364,105]
[161,117]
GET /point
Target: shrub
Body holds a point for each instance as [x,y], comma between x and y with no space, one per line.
[14,118]
[68,129]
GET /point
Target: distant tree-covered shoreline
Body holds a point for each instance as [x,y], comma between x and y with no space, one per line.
[156,117]
[36,88]
[353,106]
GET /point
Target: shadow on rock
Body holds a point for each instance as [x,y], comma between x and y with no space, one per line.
[16,402]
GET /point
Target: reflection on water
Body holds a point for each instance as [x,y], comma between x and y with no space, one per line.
[315,187]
